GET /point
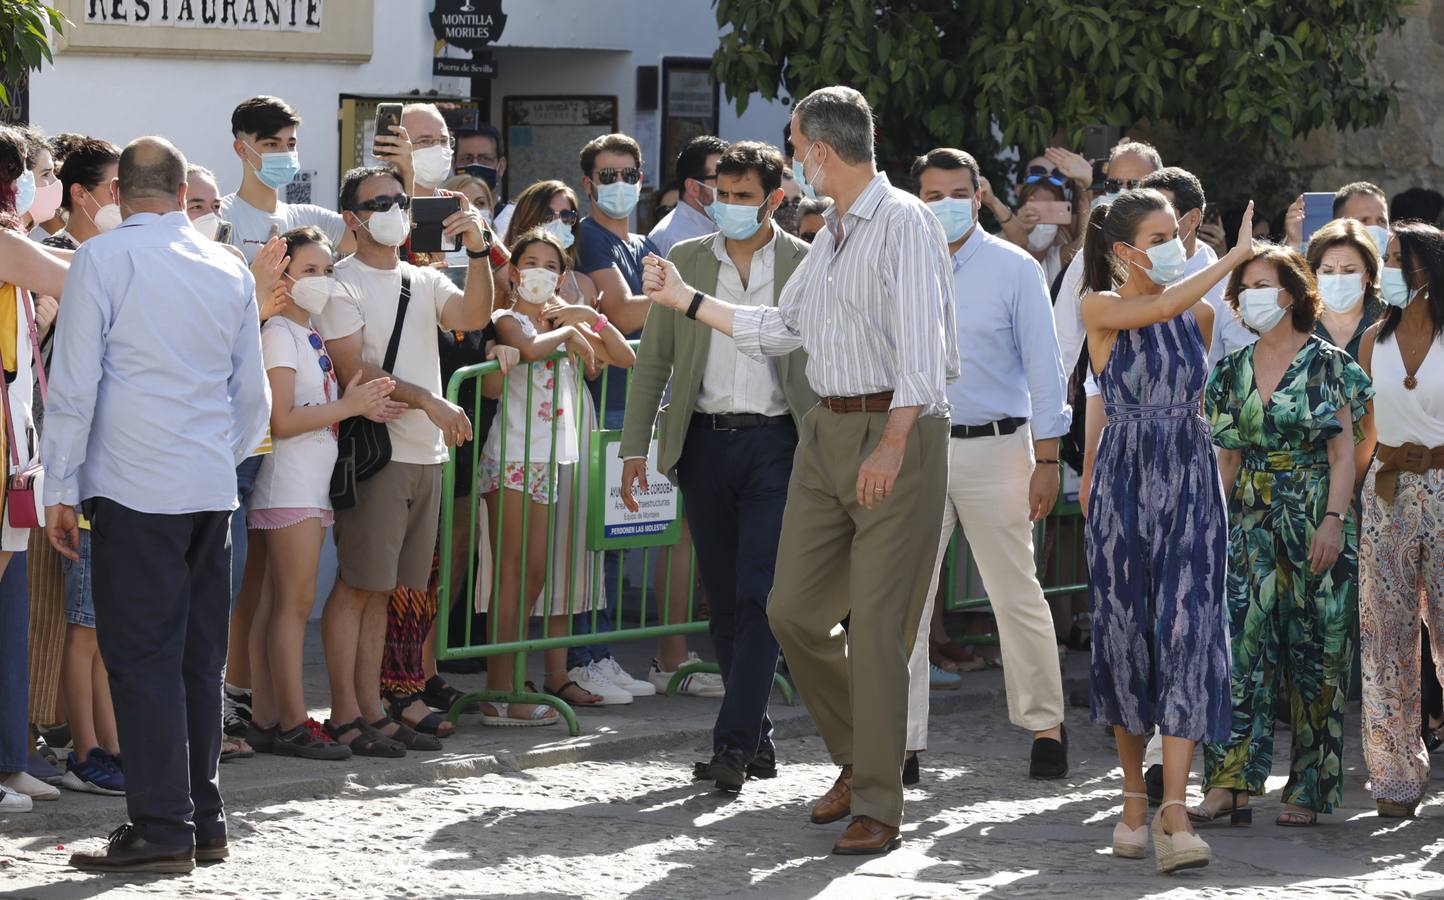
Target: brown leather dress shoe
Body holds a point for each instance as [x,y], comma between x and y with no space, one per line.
[837,802]
[127,852]
[866,836]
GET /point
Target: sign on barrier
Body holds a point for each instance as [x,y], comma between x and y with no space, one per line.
[614,527]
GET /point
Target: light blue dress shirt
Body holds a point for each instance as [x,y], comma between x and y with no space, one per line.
[1012,367]
[156,390]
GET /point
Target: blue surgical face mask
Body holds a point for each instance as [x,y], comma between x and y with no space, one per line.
[1259,308]
[1341,292]
[1380,234]
[1169,261]
[562,232]
[799,170]
[24,192]
[737,221]
[618,199]
[277,169]
[1394,290]
[956,214]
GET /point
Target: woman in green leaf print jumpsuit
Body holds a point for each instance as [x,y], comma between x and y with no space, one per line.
[1287,460]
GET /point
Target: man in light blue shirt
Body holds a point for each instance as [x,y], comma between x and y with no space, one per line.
[156,393]
[696,174]
[1009,407]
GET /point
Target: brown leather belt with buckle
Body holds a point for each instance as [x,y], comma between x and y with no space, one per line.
[873,403]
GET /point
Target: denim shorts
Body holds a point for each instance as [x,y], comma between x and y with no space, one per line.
[79,603]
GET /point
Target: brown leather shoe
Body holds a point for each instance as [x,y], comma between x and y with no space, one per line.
[866,836]
[837,802]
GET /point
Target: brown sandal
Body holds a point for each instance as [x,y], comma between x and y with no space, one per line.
[563,689]
[405,736]
[367,742]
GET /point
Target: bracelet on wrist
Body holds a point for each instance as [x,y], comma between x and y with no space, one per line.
[599,325]
[696,305]
[1336,515]
[1011,216]
[1045,462]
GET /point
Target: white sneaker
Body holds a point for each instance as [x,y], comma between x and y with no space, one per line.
[26,785]
[619,676]
[11,802]
[593,678]
[698,684]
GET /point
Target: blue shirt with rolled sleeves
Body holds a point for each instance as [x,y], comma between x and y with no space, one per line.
[157,391]
[1011,364]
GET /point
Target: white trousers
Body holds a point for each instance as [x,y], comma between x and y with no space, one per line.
[988,480]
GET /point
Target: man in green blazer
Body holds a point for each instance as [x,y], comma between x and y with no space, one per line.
[727,439]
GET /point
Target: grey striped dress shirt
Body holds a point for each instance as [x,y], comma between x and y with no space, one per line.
[874,313]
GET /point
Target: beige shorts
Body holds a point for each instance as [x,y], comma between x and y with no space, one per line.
[388,538]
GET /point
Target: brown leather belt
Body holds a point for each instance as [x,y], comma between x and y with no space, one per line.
[1414,458]
[873,403]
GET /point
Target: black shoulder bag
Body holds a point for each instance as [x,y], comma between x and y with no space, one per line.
[363,447]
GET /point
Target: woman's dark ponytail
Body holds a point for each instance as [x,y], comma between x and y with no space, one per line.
[1098,268]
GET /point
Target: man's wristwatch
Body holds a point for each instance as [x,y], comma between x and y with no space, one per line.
[696,305]
[486,232]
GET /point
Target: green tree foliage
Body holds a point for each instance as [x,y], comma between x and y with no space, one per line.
[988,74]
[24,44]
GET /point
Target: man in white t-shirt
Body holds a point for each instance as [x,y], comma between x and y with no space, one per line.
[386,540]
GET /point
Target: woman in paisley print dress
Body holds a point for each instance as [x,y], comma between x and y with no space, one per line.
[1156,520]
[1286,415]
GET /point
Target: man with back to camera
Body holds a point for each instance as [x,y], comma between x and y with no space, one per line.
[147,442]
[697,190]
[1008,408]
[865,500]
[728,440]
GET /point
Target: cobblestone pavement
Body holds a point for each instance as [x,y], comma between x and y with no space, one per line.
[641,828]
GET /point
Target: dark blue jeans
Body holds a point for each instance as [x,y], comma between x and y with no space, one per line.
[14,667]
[735,485]
[246,474]
[611,570]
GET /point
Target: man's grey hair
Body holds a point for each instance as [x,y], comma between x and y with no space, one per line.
[841,118]
[1141,149]
[193,169]
[151,167]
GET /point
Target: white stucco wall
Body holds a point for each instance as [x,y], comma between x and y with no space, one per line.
[190,100]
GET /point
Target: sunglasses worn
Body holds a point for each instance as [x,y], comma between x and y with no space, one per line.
[808,236]
[568,216]
[1038,173]
[1113,185]
[630,175]
[383,203]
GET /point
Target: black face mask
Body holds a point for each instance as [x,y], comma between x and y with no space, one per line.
[477,170]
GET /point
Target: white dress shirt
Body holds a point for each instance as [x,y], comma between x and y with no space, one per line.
[731,381]
[681,224]
[157,391]
[874,313]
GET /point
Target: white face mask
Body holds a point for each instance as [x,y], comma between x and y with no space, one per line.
[537,285]
[207,225]
[432,164]
[1042,237]
[389,228]
[312,292]
[107,217]
[1259,308]
[1341,293]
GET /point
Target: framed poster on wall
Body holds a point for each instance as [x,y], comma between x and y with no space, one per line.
[544,136]
[689,108]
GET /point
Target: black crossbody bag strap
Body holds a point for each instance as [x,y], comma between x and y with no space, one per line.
[395,345]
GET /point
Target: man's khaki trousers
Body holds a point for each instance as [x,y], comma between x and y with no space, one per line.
[837,559]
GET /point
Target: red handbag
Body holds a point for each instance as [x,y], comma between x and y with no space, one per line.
[23,488]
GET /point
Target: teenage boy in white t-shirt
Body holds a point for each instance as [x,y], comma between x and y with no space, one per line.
[386,540]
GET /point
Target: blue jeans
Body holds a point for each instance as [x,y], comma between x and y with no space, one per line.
[611,571]
[14,666]
[246,474]
[735,483]
[79,600]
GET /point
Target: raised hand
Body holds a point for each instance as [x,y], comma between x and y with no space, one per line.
[1074,166]
[663,284]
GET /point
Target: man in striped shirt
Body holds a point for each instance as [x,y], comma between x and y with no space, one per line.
[872,306]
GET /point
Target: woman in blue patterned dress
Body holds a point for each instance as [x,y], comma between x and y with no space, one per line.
[1156,538]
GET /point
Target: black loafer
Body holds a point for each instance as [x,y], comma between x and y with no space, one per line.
[211,850]
[129,852]
[1049,757]
[912,771]
[728,770]
[1153,780]
[764,764]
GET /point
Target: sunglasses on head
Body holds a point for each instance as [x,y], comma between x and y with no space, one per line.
[383,203]
[568,216]
[1039,173]
[631,175]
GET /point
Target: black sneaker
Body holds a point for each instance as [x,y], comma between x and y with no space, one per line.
[262,740]
[309,741]
[235,711]
[127,851]
[728,769]
[1050,757]
[1153,780]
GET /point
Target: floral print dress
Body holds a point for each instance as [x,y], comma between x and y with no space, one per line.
[1290,625]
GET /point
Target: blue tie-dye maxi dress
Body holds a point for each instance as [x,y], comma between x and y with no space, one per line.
[1156,543]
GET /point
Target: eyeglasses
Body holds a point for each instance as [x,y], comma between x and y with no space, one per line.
[1040,173]
[808,236]
[383,203]
[568,216]
[319,347]
[631,175]
[443,140]
[477,159]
